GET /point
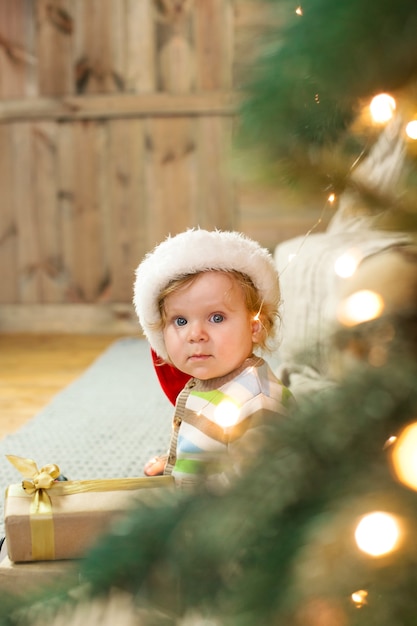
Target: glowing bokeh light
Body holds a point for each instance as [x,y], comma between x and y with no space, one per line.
[377,533]
[382,108]
[299,10]
[360,598]
[361,306]
[346,265]
[411,129]
[331,198]
[404,456]
[226,414]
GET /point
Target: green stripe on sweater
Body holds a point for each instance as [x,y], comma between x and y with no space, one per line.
[188,466]
[212,397]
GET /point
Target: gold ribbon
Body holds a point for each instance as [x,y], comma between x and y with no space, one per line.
[37,483]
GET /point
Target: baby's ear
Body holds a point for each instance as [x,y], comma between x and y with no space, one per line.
[256,330]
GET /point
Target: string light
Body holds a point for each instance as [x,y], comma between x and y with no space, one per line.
[361,306]
[293,255]
[299,10]
[404,456]
[389,442]
[377,533]
[411,129]
[360,598]
[226,414]
[331,198]
[346,265]
[382,108]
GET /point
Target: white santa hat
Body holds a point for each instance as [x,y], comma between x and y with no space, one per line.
[191,252]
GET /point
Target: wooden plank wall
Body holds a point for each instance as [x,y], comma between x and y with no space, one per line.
[116,121]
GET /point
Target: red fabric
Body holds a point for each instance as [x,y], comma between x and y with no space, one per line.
[171,380]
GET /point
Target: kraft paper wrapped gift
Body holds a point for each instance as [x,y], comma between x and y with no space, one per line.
[24,578]
[46,519]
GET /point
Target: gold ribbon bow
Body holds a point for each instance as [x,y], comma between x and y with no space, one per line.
[37,482]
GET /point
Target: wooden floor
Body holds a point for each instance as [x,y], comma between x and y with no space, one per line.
[33,368]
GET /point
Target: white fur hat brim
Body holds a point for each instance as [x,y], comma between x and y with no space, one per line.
[194,251]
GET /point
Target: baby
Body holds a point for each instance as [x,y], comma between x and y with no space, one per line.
[206,300]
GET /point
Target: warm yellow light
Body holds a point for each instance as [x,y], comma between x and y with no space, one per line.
[404,456]
[390,441]
[331,198]
[226,414]
[360,598]
[382,108]
[346,265]
[361,306]
[411,129]
[377,533]
[299,10]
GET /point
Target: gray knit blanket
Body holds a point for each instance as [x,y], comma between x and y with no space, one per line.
[105,424]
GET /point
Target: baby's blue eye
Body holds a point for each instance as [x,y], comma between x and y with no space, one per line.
[217,318]
[180,321]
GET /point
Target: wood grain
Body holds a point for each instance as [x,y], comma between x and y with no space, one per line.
[126,223]
[28,277]
[116,105]
[33,368]
[54,50]
[8,227]
[117,121]
[140,47]
[16,54]
[95,319]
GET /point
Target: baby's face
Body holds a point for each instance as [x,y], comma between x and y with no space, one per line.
[209,332]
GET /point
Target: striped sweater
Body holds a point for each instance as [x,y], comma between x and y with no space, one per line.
[218,423]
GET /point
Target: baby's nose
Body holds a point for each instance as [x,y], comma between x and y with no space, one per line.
[197,332]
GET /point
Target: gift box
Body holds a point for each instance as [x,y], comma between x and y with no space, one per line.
[46,519]
[24,578]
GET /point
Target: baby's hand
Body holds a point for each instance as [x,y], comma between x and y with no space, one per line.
[155,466]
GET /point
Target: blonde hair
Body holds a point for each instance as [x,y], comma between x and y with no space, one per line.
[266,314]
